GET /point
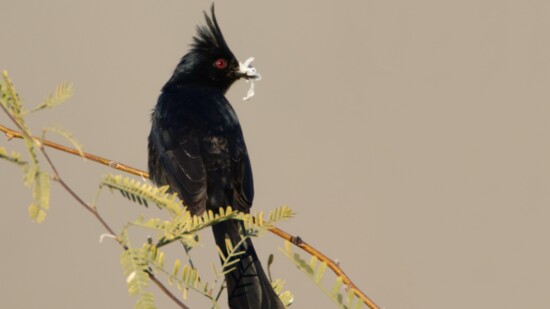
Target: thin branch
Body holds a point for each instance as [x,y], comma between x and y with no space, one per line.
[93,210]
[298,242]
[80,201]
[220,291]
[282,234]
[166,291]
[15,134]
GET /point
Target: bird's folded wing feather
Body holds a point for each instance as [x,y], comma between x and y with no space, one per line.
[180,159]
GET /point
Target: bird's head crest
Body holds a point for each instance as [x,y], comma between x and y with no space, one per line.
[210,36]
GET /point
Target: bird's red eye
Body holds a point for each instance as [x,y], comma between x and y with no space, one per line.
[220,64]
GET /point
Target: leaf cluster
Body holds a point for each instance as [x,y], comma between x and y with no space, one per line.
[344,297]
[182,228]
[34,176]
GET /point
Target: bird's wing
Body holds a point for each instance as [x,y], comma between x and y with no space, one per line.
[243,183]
[180,164]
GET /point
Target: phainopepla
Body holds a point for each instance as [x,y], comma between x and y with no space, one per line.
[197,147]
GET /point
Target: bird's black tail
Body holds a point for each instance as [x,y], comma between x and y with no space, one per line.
[248,286]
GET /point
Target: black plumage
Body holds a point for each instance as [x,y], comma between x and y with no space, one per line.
[197,147]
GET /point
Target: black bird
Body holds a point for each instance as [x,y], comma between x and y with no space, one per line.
[197,147]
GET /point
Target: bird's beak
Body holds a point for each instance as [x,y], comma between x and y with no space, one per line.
[247,71]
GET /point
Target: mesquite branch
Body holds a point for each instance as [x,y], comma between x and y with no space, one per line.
[297,241]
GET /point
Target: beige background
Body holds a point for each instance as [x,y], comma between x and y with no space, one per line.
[411,138]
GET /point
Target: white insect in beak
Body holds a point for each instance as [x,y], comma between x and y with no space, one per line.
[250,74]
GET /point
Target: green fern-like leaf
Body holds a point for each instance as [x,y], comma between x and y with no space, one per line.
[143,193]
[11,102]
[14,157]
[62,93]
[315,270]
[134,263]
[134,267]
[33,176]
[4,95]
[146,301]
[320,272]
[184,277]
[280,213]
[184,226]
[286,296]
[256,224]
[68,136]
[41,196]
[123,237]
[336,287]
[176,269]
[190,277]
[36,213]
[231,257]
[30,173]
[9,97]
